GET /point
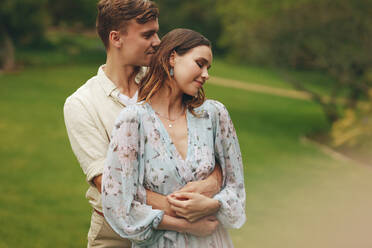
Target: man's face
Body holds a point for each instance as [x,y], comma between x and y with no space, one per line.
[140,42]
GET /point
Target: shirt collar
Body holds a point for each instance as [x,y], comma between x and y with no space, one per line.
[107,85]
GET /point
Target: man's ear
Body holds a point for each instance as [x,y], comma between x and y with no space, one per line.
[172,58]
[115,39]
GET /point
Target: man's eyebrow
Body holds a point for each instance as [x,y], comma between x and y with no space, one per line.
[148,32]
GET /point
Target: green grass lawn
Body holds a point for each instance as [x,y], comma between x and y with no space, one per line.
[315,81]
[296,195]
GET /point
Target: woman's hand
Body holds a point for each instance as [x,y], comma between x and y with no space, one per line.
[192,206]
[203,227]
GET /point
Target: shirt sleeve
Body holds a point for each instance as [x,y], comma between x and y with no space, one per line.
[228,155]
[87,140]
[123,194]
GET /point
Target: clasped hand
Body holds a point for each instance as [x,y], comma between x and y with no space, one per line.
[192,206]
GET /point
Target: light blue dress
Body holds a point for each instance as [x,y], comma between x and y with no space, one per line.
[142,156]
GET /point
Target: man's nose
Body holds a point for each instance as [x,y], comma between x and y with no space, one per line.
[156,41]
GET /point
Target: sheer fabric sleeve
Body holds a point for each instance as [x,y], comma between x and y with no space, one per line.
[123,194]
[228,155]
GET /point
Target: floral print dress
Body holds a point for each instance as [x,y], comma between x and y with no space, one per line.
[142,156]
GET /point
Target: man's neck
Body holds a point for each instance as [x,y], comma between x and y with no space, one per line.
[121,75]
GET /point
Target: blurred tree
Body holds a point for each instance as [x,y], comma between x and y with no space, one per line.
[22,23]
[73,13]
[334,36]
[199,15]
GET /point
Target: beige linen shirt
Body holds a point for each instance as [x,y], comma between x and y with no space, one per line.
[90,114]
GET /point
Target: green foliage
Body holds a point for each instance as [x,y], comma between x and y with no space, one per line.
[333,36]
[24,21]
[73,13]
[199,15]
[65,47]
[353,132]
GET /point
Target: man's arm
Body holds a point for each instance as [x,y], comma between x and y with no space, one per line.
[194,201]
[207,187]
[157,201]
[88,141]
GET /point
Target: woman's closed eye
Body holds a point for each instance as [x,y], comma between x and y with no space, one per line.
[200,64]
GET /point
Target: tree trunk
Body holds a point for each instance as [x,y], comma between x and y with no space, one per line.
[7,59]
[328,104]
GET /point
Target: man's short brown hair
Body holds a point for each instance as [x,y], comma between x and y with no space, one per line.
[114,14]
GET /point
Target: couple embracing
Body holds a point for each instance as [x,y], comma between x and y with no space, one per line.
[163,162]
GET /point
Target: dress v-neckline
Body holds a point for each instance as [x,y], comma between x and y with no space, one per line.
[169,138]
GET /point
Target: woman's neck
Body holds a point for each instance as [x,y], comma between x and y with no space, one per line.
[168,103]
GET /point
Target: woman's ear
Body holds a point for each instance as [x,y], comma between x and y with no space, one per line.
[115,39]
[172,59]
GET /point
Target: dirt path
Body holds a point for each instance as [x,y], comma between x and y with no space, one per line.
[259,88]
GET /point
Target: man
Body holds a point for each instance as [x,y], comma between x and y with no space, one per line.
[128,29]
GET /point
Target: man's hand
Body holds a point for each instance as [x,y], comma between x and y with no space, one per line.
[192,206]
[98,182]
[207,187]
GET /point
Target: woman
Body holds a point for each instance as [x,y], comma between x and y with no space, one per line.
[169,139]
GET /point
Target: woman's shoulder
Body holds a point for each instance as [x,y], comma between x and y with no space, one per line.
[132,112]
[212,107]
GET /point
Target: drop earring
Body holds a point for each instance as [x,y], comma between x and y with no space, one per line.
[171,72]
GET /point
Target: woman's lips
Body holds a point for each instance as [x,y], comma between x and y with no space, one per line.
[199,82]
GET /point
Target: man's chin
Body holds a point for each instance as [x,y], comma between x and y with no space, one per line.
[143,64]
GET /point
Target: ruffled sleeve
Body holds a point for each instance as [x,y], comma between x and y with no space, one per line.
[123,194]
[228,155]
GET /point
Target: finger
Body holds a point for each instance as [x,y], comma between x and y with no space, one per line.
[190,216]
[184,195]
[175,192]
[194,218]
[186,189]
[212,218]
[182,211]
[185,216]
[180,215]
[188,213]
[175,196]
[177,203]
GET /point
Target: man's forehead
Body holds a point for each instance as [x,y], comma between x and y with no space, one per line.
[152,25]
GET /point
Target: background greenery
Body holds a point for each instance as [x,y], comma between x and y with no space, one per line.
[333,37]
[297,195]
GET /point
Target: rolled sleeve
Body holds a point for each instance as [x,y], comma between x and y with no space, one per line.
[88,142]
[94,169]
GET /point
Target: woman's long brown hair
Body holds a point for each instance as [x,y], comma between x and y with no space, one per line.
[181,41]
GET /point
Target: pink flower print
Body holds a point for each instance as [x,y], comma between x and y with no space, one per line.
[111,186]
[205,160]
[127,155]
